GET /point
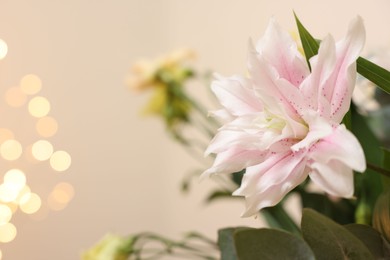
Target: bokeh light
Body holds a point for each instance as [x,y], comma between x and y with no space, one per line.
[39,106]
[5,214]
[30,203]
[7,232]
[60,161]
[30,84]
[15,177]
[60,196]
[42,150]
[11,150]
[15,97]
[46,126]
[5,134]
[3,51]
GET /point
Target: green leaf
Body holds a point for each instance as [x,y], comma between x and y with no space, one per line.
[372,239]
[368,185]
[376,74]
[226,243]
[309,44]
[329,240]
[277,217]
[342,211]
[219,194]
[270,244]
[386,165]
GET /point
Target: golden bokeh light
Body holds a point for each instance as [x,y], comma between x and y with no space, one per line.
[5,134]
[3,51]
[46,126]
[16,178]
[30,84]
[60,161]
[42,150]
[60,196]
[7,232]
[11,150]
[15,97]
[5,214]
[39,107]
[30,203]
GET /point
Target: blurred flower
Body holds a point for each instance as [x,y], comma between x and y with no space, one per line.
[282,123]
[381,215]
[166,76]
[111,247]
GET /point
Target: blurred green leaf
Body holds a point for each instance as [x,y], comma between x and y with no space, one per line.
[368,185]
[329,240]
[237,177]
[277,217]
[270,244]
[372,239]
[219,194]
[342,211]
[386,165]
[374,73]
[226,243]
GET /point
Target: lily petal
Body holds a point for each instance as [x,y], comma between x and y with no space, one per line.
[338,89]
[341,146]
[234,160]
[334,178]
[280,51]
[235,95]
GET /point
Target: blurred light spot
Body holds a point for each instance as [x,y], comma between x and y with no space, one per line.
[15,97]
[42,150]
[39,107]
[5,214]
[12,206]
[30,84]
[11,150]
[7,232]
[46,126]
[3,51]
[5,134]
[60,196]
[15,177]
[1,255]
[60,161]
[25,190]
[30,203]
[8,192]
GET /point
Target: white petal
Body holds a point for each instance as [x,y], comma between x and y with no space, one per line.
[226,139]
[342,146]
[338,89]
[322,67]
[281,52]
[234,160]
[265,184]
[318,128]
[235,95]
[334,178]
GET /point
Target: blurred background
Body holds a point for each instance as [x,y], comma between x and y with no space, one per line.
[125,173]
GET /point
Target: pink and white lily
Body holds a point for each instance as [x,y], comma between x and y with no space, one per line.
[283,122]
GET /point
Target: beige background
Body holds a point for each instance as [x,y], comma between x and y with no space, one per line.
[126,172]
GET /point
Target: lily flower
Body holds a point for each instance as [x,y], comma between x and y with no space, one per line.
[283,122]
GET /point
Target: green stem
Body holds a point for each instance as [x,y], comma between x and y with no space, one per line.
[378,169]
